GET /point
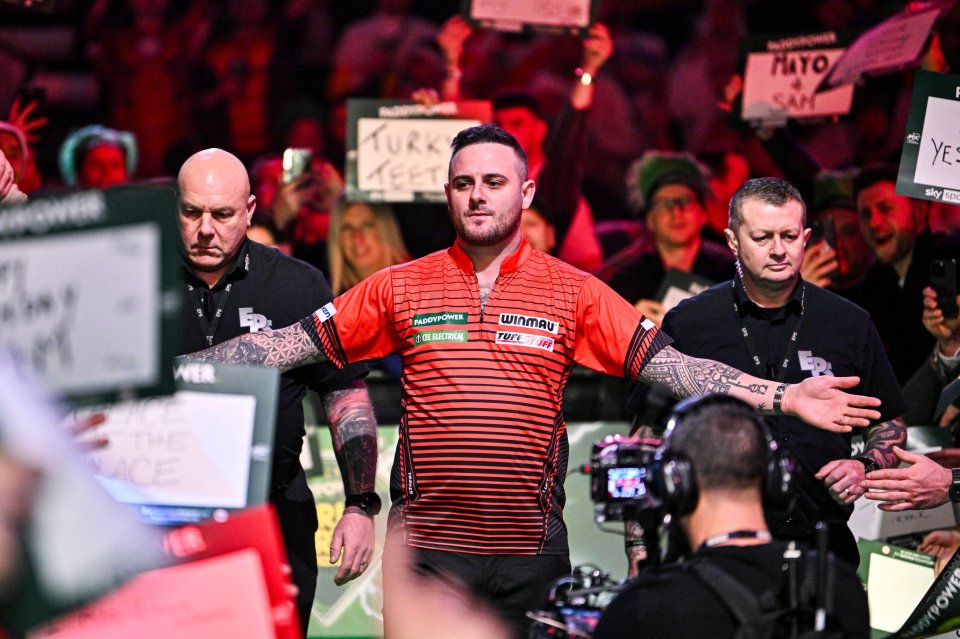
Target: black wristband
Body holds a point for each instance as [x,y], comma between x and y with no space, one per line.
[869,465]
[369,503]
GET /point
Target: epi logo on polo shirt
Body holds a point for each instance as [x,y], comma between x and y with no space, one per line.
[255,321]
[816,365]
[528,321]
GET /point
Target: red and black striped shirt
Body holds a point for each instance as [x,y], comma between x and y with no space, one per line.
[482,453]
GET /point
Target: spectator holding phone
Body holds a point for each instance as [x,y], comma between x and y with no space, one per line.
[895,227]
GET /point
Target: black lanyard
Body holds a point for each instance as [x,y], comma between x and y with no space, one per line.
[791,343]
[210,325]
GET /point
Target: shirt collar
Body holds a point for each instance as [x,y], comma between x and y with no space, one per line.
[239,267]
[746,305]
[510,264]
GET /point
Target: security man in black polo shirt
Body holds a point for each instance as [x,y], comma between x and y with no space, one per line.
[770,322]
[235,286]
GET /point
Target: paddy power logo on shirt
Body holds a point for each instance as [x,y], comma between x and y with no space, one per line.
[443,317]
[430,337]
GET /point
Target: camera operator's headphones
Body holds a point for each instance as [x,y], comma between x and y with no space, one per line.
[670,476]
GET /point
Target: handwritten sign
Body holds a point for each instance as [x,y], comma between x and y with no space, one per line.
[203,450]
[87,289]
[930,160]
[399,151]
[781,77]
[895,44]
[538,15]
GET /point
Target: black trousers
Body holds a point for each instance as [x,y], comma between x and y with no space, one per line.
[510,584]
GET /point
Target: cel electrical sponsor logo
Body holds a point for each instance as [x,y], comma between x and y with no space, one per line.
[527,321]
[525,339]
[432,337]
[443,317]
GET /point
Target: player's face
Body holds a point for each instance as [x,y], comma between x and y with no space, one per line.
[215,212]
[769,243]
[486,194]
[891,222]
[675,215]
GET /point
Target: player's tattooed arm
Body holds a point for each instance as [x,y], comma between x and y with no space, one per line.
[285,349]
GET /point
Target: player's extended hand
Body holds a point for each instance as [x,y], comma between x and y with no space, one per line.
[821,402]
[843,477]
[353,537]
[922,484]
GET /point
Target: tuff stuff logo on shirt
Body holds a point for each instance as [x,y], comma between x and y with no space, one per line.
[443,317]
[525,339]
[816,365]
[255,321]
[527,321]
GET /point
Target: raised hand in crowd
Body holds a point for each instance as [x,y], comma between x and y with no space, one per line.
[652,310]
[597,49]
[317,188]
[947,331]
[9,193]
[819,262]
[453,35]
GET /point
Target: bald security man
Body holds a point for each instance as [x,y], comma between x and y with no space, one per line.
[237,286]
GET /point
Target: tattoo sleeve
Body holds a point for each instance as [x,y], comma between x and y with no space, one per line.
[685,376]
[285,349]
[353,429]
[880,439]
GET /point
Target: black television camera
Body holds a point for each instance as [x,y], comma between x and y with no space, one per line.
[617,469]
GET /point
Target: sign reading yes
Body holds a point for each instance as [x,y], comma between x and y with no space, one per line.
[930,162]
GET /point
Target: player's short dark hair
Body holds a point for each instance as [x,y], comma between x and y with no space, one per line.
[489,134]
[767,190]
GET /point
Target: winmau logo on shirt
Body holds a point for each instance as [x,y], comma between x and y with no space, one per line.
[511,319]
[443,317]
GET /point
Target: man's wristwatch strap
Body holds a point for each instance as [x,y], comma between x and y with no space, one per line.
[869,465]
[369,503]
[955,486]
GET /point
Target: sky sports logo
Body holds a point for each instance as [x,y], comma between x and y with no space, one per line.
[945,195]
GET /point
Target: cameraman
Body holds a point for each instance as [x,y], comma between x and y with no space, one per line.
[716,460]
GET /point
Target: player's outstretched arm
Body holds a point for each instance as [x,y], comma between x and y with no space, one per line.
[285,349]
[819,401]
